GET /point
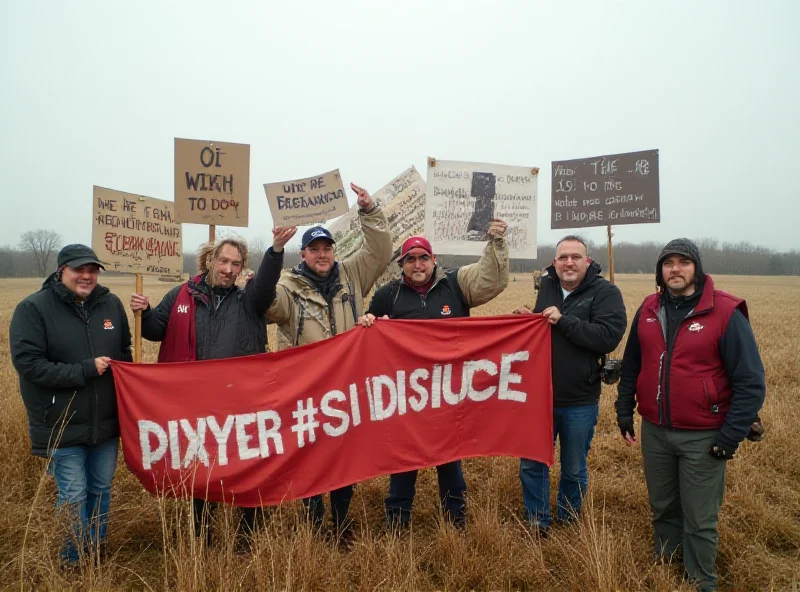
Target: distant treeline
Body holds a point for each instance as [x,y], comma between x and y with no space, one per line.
[720,258]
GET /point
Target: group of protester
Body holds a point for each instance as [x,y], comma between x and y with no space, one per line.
[691,364]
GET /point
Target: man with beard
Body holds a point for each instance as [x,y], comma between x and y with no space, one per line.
[692,365]
[219,313]
[323,297]
[428,291]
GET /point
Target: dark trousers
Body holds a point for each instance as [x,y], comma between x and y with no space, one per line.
[202,511]
[686,486]
[452,493]
[340,505]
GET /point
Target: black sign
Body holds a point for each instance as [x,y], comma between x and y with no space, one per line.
[605,190]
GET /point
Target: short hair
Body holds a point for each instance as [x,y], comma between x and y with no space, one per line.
[211,250]
[576,238]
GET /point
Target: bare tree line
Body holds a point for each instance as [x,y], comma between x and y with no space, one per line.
[35,256]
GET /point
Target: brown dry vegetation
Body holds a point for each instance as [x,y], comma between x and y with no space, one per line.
[609,549]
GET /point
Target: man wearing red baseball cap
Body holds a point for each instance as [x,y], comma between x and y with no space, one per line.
[427,291]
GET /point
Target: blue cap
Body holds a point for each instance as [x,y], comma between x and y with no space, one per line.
[313,234]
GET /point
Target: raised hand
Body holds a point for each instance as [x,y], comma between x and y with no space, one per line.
[497,229]
[282,235]
[364,200]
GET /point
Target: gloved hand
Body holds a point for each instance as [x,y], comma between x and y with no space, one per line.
[626,428]
[756,432]
[721,451]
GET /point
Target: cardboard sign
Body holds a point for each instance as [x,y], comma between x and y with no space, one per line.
[605,190]
[402,200]
[136,234]
[303,202]
[463,197]
[212,182]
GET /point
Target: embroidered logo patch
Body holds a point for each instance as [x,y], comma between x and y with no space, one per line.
[695,326]
[445,310]
[107,324]
[183,308]
[651,320]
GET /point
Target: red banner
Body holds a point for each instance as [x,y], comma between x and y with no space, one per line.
[400,395]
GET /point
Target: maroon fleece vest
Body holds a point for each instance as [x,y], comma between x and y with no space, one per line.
[180,339]
[699,388]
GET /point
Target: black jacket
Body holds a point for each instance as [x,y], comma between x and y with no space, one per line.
[54,342]
[234,327]
[592,324]
[443,300]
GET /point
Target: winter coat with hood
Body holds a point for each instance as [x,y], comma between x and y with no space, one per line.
[304,315]
[593,322]
[692,362]
[54,341]
[452,293]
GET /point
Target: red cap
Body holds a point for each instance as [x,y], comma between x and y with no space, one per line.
[415,242]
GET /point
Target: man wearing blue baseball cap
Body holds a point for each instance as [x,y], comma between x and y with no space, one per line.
[322,297]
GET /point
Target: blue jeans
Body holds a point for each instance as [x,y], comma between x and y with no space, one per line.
[452,489]
[574,426]
[83,476]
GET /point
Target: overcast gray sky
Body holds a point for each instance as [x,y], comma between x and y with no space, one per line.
[94,93]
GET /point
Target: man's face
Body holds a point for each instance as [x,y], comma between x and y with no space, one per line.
[678,273]
[80,280]
[418,266]
[319,256]
[571,263]
[226,267]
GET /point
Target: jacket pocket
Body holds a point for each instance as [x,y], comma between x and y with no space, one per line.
[60,409]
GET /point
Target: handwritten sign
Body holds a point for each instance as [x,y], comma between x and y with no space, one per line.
[136,234]
[212,182]
[606,190]
[463,197]
[307,201]
[403,202]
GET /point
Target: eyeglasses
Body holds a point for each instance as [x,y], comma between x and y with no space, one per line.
[573,258]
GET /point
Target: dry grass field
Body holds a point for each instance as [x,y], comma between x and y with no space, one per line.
[608,550]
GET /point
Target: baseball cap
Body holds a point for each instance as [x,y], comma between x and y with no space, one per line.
[415,242]
[76,256]
[313,234]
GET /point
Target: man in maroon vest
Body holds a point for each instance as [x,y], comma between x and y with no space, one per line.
[692,364]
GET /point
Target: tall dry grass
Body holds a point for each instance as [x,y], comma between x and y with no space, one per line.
[151,546]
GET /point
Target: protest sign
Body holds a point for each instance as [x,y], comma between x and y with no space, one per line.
[136,234]
[403,202]
[463,197]
[212,182]
[303,202]
[605,190]
[263,429]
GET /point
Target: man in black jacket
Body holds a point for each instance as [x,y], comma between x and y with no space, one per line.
[426,291]
[589,321]
[63,339]
[220,313]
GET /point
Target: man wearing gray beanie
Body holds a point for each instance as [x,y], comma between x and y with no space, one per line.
[692,365]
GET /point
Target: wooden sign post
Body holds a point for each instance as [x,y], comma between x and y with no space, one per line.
[610,256]
[137,324]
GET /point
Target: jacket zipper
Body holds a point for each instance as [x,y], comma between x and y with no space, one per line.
[85,317]
[668,367]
